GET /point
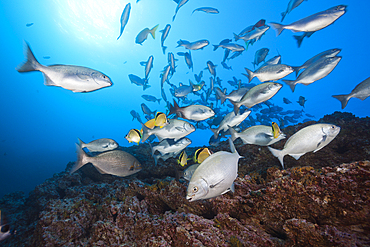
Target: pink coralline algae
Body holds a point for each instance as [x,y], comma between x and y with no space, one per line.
[304,205]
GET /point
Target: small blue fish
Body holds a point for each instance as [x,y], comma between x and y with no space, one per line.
[150,98]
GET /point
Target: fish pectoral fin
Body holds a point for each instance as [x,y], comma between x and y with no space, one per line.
[48,81]
[322,140]
[214,185]
[296,156]
[83,77]
[179,129]
[100,170]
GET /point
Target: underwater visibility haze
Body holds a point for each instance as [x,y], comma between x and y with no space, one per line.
[41,124]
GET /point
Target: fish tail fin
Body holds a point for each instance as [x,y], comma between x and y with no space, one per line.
[159,101]
[215,47]
[343,98]
[236,106]
[146,133]
[236,37]
[291,84]
[152,31]
[283,14]
[221,95]
[232,148]
[296,69]
[233,133]
[215,132]
[278,154]
[249,74]
[31,64]
[278,27]
[146,85]
[174,108]
[80,143]
[81,159]
[299,39]
[164,49]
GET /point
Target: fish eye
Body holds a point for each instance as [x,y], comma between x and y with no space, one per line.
[195,189]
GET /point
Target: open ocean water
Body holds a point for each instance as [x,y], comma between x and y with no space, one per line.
[40,124]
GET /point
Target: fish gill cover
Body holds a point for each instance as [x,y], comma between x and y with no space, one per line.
[322,66]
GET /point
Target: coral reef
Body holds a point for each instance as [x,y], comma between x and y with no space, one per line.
[323,199]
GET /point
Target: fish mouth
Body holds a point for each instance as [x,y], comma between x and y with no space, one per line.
[189,198]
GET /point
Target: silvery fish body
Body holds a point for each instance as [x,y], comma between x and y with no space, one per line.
[309,139]
[176,129]
[124,18]
[179,5]
[361,91]
[171,61]
[215,176]
[272,72]
[211,68]
[71,77]
[235,95]
[164,147]
[208,10]
[200,44]
[324,54]
[99,145]
[115,162]
[260,135]
[231,119]
[254,34]
[182,90]
[148,66]
[274,60]
[164,75]
[230,46]
[258,94]
[164,35]
[313,22]
[315,72]
[195,112]
[188,173]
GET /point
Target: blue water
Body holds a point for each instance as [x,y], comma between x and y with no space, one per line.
[40,124]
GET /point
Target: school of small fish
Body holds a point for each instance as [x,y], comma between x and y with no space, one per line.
[213,174]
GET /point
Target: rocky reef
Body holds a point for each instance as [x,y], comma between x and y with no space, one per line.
[322,199]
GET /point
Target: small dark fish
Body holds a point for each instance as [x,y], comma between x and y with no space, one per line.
[188,60]
[286,101]
[146,110]
[135,115]
[225,66]
[208,10]
[148,97]
[301,101]
[46,57]
[29,24]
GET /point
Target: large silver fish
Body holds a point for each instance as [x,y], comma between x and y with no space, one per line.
[313,22]
[230,120]
[261,135]
[291,5]
[361,91]
[257,94]
[214,176]
[315,72]
[309,139]
[196,45]
[164,35]
[271,72]
[164,147]
[124,18]
[312,60]
[192,112]
[115,162]
[71,77]
[99,145]
[176,129]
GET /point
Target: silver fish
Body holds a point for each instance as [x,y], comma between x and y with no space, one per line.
[230,120]
[143,35]
[309,62]
[196,45]
[99,145]
[164,75]
[188,59]
[71,77]
[115,162]
[192,112]
[315,72]
[257,94]
[274,60]
[313,22]
[291,5]
[188,173]
[124,18]
[272,72]
[230,46]
[261,135]
[171,61]
[179,5]
[148,67]
[176,129]
[309,139]
[138,81]
[211,68]
[255,34]
[215,176]
[146,110]
[208,10]
[361,91]
[164,35]
[235,95]
[164,147]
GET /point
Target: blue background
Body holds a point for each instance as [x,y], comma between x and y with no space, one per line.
[40,124]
